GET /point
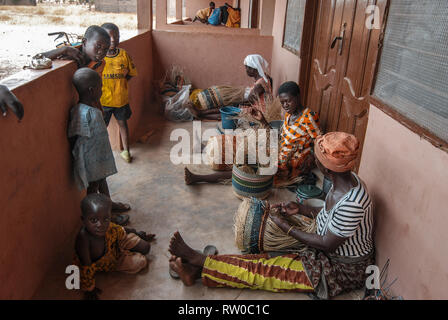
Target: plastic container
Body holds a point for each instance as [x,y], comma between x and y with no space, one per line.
[226,113]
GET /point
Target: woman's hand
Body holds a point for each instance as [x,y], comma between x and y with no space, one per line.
[257,115]
[279,220]
[9,100]
[289,209]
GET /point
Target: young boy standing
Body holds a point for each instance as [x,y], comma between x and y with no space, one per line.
[119,69]
[93,158]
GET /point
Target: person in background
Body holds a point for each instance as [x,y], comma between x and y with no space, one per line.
[203,14]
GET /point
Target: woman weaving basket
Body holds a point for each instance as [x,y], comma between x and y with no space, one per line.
[205,104]
[336,256]
[300,129]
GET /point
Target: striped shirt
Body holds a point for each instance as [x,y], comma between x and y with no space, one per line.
[351,218]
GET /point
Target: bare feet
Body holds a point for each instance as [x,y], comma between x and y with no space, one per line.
[187,272]
[180,249]
[189,177]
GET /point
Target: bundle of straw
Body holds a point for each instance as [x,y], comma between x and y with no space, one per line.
[275,239]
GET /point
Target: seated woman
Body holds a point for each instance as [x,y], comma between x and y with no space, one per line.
[336,256]
[259,94]
[300,129]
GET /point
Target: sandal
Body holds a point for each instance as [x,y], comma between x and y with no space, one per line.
[126,156]
[120,219]
[120,207]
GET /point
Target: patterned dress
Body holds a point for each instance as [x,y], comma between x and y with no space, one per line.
[297,141]
[117,257]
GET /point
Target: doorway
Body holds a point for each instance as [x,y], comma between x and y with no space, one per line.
[343,63]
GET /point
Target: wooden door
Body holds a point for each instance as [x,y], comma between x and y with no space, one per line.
[343,64]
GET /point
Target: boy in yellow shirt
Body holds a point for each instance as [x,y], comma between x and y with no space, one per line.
[119,69]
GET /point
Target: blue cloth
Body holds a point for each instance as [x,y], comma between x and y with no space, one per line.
[92,153]
[214,18]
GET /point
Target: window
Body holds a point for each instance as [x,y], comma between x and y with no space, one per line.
[292,36]
[413,72]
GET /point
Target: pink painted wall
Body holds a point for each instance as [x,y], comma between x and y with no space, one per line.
[408,179]
[208,58]
[285,65]
[40,202]
[192,6]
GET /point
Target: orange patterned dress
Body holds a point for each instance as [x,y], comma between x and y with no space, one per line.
[297,141]
[117,257]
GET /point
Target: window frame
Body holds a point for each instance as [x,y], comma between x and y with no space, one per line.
[285,46]
[388,109]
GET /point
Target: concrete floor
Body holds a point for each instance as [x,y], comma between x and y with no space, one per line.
[162,203]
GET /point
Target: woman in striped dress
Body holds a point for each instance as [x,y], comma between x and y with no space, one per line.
[337,255]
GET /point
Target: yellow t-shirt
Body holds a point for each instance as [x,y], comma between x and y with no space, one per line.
[115,85]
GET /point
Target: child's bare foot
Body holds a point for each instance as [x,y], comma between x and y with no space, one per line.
[146,236]
[187,272]
[180,249]
[190,178]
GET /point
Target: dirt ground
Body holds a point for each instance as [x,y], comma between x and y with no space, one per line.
[24,30]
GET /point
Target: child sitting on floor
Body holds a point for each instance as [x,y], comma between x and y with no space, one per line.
[91,53]
[105,246]
[119,69]
[93,158]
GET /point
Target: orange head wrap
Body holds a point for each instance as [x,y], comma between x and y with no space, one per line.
[337,151]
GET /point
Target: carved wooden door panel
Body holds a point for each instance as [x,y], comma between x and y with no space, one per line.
[343,64]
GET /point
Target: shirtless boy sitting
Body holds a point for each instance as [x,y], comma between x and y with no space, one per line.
[104,246]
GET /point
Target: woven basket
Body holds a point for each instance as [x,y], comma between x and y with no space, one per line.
[217,146]
[247,185]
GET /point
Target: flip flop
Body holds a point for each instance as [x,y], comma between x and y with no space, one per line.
[126,156]
[124,207]
[120,219]
[208,250]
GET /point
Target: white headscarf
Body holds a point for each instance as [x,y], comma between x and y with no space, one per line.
[257,62]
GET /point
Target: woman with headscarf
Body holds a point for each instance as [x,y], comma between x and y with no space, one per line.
[261,92]
[336,256]
[205,104]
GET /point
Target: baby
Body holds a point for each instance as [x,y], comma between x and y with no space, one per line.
[104,246]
